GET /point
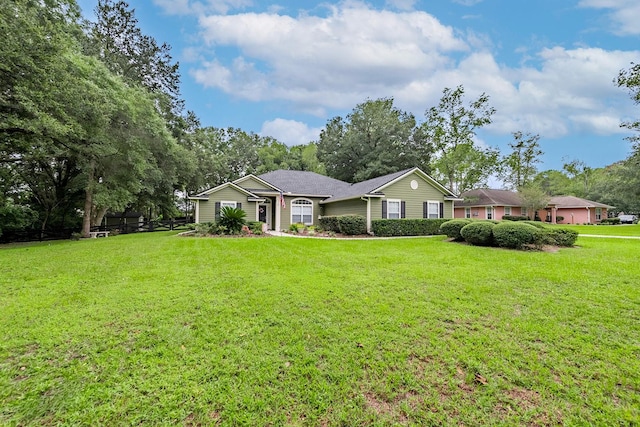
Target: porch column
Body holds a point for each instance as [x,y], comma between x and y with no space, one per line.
[278,208]
[197,211]
[368,214]
[554,213]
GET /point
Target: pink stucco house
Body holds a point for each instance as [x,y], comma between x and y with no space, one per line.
[487,203]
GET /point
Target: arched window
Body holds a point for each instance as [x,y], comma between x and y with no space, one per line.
[302,211]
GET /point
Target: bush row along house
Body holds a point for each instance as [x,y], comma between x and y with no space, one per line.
[494,204]
[284,197]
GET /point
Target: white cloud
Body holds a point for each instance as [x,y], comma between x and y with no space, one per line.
[354,53]
[290,132]
[625,14]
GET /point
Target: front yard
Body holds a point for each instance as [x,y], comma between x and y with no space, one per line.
[156,329]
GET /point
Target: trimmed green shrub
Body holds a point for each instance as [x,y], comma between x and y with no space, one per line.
[330,223]
[352,224]
[515,218]
[515,235]
[610,221]
[536,224]
[232,219]
[209,228]
[561,236]
[407,227]
[255,226]
[452,228]
[479,233]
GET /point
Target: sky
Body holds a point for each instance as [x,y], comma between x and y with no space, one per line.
[285,68]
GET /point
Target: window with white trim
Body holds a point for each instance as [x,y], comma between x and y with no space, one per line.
[433,209]
[393,209]
[598,214]
[228,204]
[523,212]
[467,212]
[507,210]
[302,211]
[489,212]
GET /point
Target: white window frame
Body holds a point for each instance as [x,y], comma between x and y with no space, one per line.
[228,203]
[507,210]
[523,212]
[430,203]
[298,210]
[598,214]
[467,212]
[489,212]
[394,202]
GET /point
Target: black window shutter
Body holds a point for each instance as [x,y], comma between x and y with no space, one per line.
[441,210]
[402,210]
[239,205]
[217,211]
[384,209]
[425,210]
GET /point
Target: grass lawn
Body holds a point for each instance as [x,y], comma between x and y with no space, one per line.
[155,329]
[608,230]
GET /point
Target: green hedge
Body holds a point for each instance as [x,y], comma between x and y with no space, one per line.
[407,227]
[561,236]
[515,218]
[352,224]
[330,223]
[452,228]
[515,235]
[611,221]
[479,233]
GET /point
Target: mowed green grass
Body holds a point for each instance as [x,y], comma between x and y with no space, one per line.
[156,329]
[608,230]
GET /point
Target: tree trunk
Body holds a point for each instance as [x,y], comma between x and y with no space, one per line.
[88,201]
[99,215]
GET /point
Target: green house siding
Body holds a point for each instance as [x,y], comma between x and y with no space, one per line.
[346,207]
[414,198]
[285,214]
[253,184]
[227,194]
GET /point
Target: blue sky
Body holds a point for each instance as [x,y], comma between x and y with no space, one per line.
[283,69]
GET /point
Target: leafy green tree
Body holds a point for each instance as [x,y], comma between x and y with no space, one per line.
[580,174]
[450,127]
[376,138]
[305,158]
[533,199]
[553,182]
[519,167]
[630,79]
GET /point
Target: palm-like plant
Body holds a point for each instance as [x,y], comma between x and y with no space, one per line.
[232,219]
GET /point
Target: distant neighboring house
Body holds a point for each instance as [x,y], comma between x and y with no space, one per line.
[284,197]
[487,203]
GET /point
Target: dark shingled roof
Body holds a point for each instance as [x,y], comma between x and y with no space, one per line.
[303,182]
[365,187]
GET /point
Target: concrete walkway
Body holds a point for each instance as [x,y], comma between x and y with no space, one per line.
[609,237]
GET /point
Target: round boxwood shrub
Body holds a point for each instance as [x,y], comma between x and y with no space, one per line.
[479,233]
[452,228]
[515,235]
[561,236]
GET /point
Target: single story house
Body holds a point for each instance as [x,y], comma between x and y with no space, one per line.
[485,203]
[284,197]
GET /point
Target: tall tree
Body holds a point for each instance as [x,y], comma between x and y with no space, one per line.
[451,127]
[580,174]
[376,138]
[519,167]
[117,40]
[630,79]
